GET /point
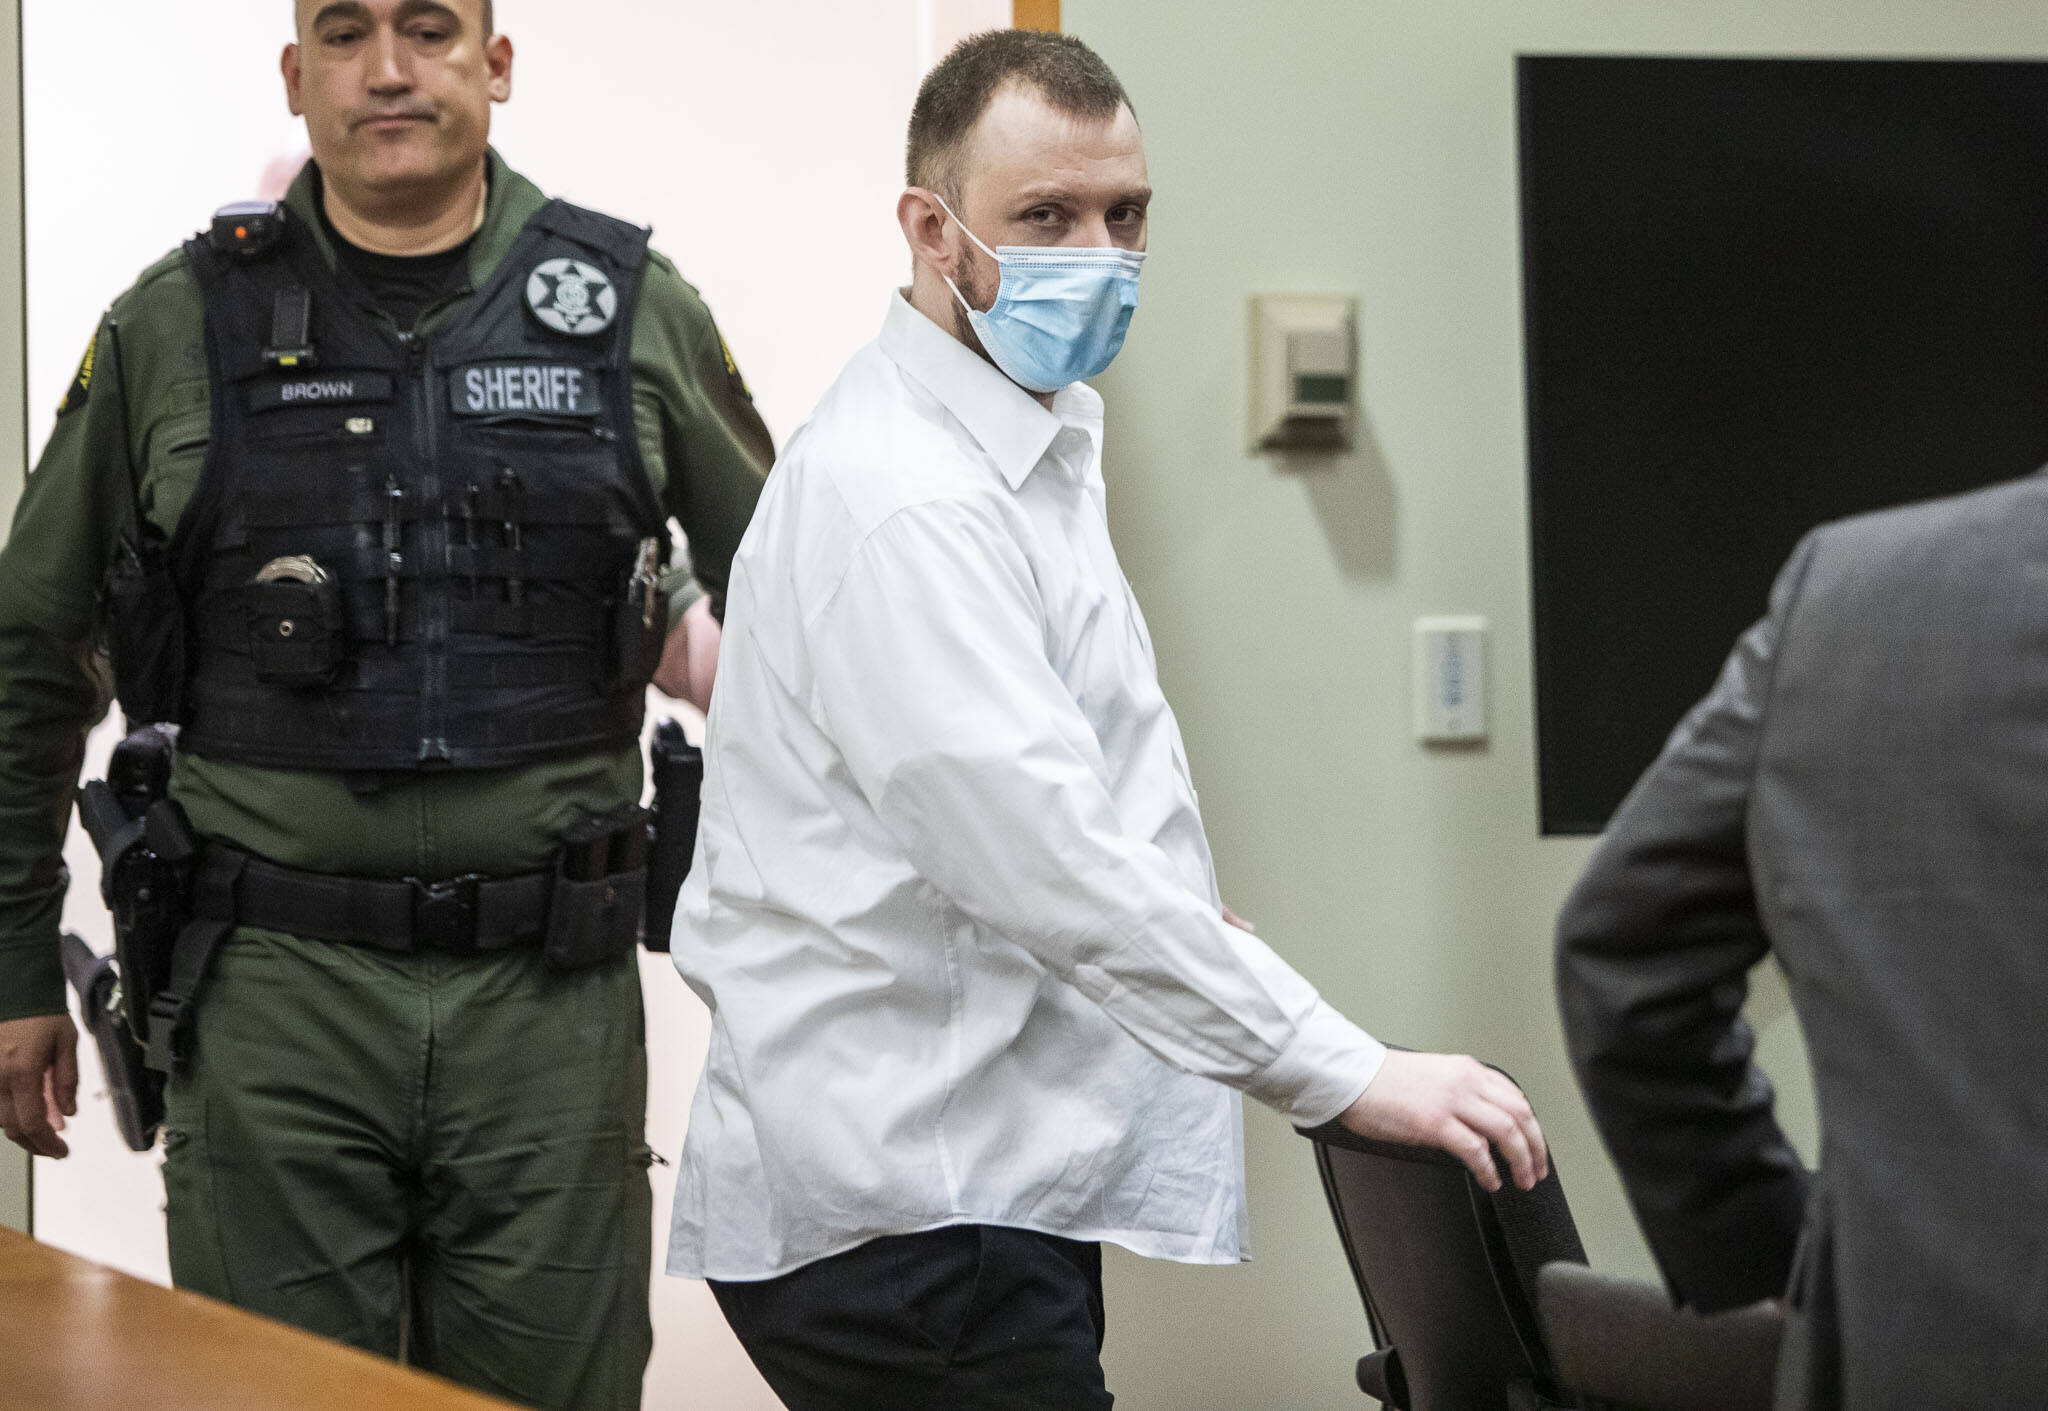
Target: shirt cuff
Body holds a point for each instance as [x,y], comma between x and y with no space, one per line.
[31,978]
[1325,1067]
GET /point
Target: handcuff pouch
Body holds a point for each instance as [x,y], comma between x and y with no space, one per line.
[296,636]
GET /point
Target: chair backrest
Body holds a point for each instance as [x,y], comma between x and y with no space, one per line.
[1447,1272]
[1619,1343]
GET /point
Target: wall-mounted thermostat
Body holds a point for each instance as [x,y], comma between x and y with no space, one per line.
[1450,680]
[1303,370]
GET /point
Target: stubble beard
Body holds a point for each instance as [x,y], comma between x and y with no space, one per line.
[972,290]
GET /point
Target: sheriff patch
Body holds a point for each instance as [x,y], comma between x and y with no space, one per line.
[526,389]
[572,297]
[81,385]
[329,390]
[732,371]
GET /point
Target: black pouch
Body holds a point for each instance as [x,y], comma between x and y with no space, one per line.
[296,636]
[144,618]
[600,890]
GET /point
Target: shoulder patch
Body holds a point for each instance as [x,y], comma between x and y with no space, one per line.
[732,371]
[81,385]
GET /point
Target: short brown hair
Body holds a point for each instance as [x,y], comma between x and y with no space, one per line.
[954,95]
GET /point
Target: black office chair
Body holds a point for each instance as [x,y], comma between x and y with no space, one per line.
[1448,1274]
[1454,1278]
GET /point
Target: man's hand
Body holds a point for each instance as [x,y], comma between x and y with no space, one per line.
[1234,919]
[38,1081]
[1458,1105]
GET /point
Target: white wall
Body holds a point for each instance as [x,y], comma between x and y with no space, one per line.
[943,23]
[1369,149]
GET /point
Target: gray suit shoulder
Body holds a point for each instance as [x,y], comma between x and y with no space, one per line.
[1968,513]
[1968,534]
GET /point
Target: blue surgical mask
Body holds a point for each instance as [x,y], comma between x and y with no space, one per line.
[1060,313]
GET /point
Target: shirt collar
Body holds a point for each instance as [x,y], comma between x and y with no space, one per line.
[1005,421]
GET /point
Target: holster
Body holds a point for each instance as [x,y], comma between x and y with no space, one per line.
[146,854]
[678,799]
[137,1093]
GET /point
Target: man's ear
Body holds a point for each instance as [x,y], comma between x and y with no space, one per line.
[498,54]
[288,65]
[924,229]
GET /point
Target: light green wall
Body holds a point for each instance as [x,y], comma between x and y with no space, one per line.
[14,1163]
[1369,149]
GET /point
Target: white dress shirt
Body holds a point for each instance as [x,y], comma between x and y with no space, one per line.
[952,908]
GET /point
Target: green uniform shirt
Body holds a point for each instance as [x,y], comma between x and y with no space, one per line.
[705,448]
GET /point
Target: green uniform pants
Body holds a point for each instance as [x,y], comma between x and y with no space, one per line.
[444,1155]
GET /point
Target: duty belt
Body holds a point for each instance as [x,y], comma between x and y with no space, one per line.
[584,911]
[463,915]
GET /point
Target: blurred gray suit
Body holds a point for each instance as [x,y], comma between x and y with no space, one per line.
[1864,793]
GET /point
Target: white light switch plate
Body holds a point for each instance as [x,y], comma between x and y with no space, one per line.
[1450,680]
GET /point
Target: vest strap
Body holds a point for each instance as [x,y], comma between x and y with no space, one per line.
[625,245]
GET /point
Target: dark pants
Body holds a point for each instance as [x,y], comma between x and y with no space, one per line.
[435,1153]
[970,1318]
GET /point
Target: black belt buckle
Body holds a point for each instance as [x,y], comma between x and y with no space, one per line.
[444,913]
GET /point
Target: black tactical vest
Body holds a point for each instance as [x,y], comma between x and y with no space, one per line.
[405,552]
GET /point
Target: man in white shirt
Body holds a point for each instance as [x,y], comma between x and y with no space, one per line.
[974,998]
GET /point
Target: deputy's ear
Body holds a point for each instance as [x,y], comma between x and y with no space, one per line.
[498,54]
[288,65]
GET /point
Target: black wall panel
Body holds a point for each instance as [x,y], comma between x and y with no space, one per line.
[1759,294]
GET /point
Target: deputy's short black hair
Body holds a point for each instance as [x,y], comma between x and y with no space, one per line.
[954,95]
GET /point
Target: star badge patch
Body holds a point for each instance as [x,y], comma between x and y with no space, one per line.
[572,297]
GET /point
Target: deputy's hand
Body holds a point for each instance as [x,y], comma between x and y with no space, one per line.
[1458,1105]
[38,1081]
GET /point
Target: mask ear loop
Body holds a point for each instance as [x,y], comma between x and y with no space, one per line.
[971,310]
